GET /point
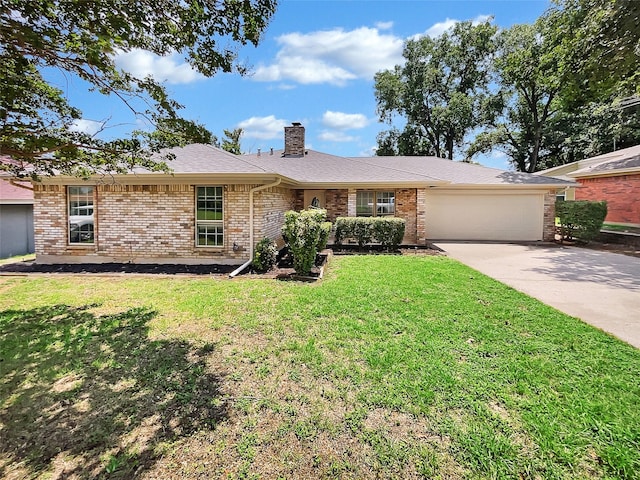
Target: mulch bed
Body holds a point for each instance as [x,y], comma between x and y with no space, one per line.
[114,268]
[283,270]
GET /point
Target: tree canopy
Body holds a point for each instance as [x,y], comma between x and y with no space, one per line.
[529,81]
[438,90]
[82,38]
[232,141]
[561,89]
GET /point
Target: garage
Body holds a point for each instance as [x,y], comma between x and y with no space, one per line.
[485,215]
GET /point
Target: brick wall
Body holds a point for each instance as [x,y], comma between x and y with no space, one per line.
[50,219]
[299,200]
[269,208]
[351,202]
[294,140]
[421,216]
[622,194]
[549,219]
[336,203]
[141,223]
[406,208]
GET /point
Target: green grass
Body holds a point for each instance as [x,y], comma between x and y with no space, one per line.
[392,367]
[620,228]
[18,258]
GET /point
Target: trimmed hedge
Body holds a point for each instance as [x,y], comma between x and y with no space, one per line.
[388,231]
[580,219]
[306,233]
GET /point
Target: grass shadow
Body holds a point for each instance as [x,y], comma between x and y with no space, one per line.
[92,396]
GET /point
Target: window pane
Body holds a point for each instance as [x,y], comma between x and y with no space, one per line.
[209,208]
[385,203]
[364,204]
[209,204]
[81,228]
[210,235]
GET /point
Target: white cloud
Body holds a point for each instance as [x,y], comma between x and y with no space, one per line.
[369,152]
[384,25]
[264,128]
[141,63]
[303,70]
[344,121]
[332,56]
[82,125]
[439,28]
[333,136]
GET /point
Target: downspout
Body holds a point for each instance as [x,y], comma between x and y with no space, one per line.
[251,192]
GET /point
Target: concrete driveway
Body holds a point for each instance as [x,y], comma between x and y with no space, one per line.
[601,288]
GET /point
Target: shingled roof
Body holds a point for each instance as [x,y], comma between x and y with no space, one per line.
[321,169]
[15,192]
[626,160]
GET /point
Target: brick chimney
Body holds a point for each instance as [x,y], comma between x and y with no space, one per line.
[294,140]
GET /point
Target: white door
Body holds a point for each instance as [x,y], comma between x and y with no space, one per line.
[484,215]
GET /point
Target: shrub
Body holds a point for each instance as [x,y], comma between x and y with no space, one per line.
[305,232]
[265,255]
[325,231]
[388,231]
[581,219]
[357,228]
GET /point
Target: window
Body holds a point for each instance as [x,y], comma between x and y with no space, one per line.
[561,196]
[384,204]
[209,228]
[81,215]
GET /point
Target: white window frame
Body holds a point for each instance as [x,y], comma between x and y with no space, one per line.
[375,193]
[73,217]
[218,224]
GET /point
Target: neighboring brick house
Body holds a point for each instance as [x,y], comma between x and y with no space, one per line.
[613,177]
[215,206]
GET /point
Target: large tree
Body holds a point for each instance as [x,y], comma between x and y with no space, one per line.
[175,132]
[438,91]
[529,78]
[82,38]
[601,44]
[561,80]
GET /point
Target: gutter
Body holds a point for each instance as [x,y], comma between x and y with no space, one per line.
[251,192]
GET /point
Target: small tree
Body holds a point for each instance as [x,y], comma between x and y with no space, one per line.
[305,232]
[580,219]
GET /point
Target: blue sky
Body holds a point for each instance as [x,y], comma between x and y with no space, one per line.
[315,65]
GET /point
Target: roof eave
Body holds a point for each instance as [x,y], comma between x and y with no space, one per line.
[518,186]
[157,178]
[608,173]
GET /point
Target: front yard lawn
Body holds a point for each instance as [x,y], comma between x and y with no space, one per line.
[392,367]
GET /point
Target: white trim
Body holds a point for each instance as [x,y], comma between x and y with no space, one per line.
[94,205]
[208,222]
[6,201]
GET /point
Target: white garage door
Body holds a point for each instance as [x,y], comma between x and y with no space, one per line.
[473,215]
